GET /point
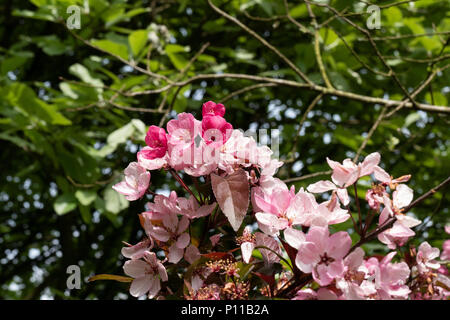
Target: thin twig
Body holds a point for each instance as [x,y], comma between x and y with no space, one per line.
[263,41]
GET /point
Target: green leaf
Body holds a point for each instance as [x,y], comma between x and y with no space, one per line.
[85,214]
[411,118]
[86,197]
[114,201]
[24,98]
[65,203]
[137,41]
[174,53]
[114,48]
[51,45]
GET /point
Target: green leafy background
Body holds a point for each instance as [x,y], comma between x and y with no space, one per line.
[66,135]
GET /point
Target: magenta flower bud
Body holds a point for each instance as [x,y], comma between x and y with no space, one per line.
[156,139]
[213,126]
[210,108]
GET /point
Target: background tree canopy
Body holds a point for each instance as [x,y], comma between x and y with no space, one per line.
[75,105]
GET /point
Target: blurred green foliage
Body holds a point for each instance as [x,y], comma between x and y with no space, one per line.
[67,133]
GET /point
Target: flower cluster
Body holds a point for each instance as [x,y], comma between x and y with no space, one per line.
[264,237]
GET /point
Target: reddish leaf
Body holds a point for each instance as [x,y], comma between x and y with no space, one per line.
[269,279]
[232,194]
[218,255]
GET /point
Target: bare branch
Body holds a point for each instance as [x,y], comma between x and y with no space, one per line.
[246,89]
[263,41]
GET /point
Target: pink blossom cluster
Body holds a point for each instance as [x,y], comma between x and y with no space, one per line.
[284,240]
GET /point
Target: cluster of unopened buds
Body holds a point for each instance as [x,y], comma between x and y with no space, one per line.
[241,233]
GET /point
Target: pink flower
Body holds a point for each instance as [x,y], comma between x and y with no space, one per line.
[181,141]
[162,206]
[375,196]
[322,254]
[171,232]
[216,130]
[345,175]
[390,278]
[445,255]
[136,182]
[324,214]
[400,231]
[425,257]
[191,254]
[147,274]
[321,294]
[401,198]
[240,150]
[147,160]
[212,109]
[324,186]
[278,208]
[138,250]
[191,209]
[248,244]
[156,139]
[353,283]
[384,177]
[215,239]
[305,294]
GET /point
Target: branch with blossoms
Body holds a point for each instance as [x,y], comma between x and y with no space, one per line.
[240,233]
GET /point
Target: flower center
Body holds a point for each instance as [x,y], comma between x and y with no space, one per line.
[325,259]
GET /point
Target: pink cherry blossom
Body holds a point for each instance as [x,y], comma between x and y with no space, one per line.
[375,197]
[322,254]
[384,177]
[240,150]
[324,214]
[181,141]
[347,173]
[281,208]
[162,206]
[216,130]
[445,255]
[294,237]
[353,282]
[401,230]
[147,160]
[305,294]
[191,254]
[191,209]
[390,278]
[324,186]
[147,274]
[136,182]
[215,239]
[156,139]
[321,294]
[425,257]
[138,250]
[213,109]
[247,245]
[172,232]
